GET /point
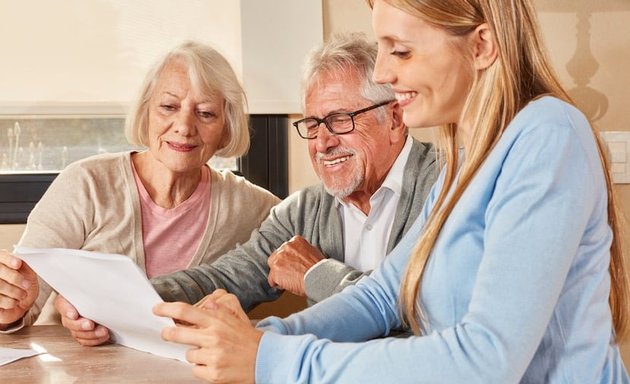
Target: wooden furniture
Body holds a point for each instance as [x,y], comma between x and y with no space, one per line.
[68,362]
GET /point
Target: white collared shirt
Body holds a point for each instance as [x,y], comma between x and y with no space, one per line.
[366,237]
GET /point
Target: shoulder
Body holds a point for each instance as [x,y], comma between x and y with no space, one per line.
[547,113]
[423,153]
[239,187]
[97,167]
[546,134]
[308,199]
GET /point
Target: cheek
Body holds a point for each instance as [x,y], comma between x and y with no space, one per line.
[312,151]
[213,136]
[156,127]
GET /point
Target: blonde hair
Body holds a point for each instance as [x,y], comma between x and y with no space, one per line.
[521,73]
[210,73]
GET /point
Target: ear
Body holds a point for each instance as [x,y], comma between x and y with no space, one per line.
[398,128]
[484,47]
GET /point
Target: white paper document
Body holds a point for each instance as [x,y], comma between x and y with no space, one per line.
[110,290]
[9,355]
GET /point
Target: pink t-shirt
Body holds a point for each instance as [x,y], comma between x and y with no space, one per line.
[171,236]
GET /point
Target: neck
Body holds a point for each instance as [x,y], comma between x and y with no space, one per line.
[167,189]
[360,198]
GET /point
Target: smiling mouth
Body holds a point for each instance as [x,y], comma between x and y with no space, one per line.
[405,98]
[181,147]
[333,162]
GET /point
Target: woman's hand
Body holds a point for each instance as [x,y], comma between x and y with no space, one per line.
[19,288]
[224,341]
[85,331]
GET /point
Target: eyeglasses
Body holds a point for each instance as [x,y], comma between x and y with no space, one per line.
[337,123]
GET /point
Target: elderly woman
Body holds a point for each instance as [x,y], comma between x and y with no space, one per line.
[163,207]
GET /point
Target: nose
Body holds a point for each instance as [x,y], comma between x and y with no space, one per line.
[325,139]
[185,122]
[382,72]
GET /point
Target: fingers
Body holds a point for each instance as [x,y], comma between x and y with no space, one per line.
[86,332]
[13,282]
[214,296]
[184,313]
[184,335]
[66,309]
[232,303]
[202,316]
[83,330]
[18,288]
[9,260]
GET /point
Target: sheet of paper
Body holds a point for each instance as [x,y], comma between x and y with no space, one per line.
[109,289]
[9,355]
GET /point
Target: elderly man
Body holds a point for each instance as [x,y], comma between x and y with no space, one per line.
[374,176]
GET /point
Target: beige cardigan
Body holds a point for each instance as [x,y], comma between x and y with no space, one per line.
[94,205]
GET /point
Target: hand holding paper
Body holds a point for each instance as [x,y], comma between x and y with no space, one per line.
[85,331]
[109,289]
[18,288]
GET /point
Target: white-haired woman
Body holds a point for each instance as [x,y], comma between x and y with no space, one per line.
[164,207]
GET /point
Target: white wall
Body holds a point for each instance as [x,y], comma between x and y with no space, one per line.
[73,55]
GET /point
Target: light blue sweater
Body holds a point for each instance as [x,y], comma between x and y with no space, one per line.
[516,289]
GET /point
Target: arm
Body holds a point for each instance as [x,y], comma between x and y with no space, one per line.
[242,271]
[328,277]
[57,221]
[538,212]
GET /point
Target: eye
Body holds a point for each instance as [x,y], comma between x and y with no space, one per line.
[401,54]
[167,107]
[206,114]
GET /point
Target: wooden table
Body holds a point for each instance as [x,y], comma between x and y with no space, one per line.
[69,362]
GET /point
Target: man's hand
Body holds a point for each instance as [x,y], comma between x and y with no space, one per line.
[85,331]
[18,288]
[289,263]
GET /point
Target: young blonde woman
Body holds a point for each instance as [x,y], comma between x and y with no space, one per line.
[514,271]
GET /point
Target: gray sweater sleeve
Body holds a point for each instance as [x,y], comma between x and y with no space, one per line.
[242,271]
[328,278]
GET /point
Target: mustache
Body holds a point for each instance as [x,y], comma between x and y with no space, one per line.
[320,156]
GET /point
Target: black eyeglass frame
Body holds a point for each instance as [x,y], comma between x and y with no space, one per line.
[327,125]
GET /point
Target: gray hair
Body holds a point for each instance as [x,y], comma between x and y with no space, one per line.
[346,54]
[210,73]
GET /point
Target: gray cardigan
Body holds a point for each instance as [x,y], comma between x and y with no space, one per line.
[310,213]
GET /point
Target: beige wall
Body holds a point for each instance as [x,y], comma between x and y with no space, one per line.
[9,235]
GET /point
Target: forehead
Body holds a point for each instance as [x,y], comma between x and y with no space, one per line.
[175,77]
[173,71]
[334,91]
